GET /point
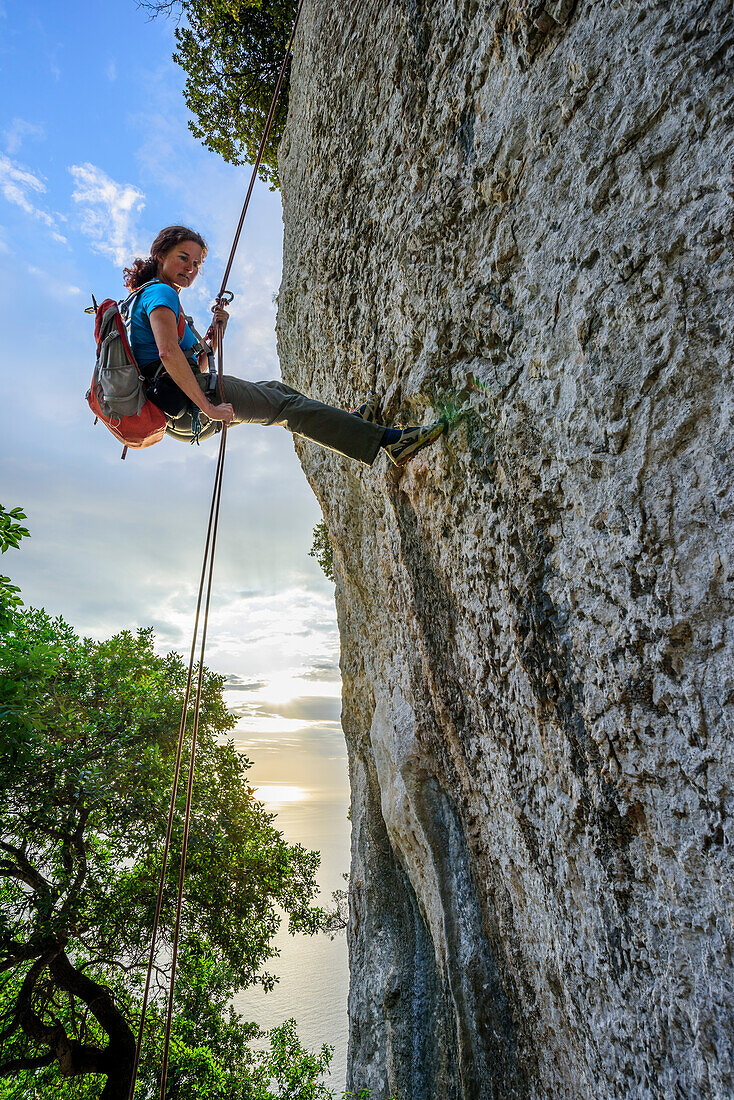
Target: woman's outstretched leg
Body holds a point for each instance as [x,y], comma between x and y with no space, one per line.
[354,436]
[277,403]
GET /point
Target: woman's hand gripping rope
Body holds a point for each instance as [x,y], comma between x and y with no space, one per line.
[217,327]
[214,335]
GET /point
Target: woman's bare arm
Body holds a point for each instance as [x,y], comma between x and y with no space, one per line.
[165,332]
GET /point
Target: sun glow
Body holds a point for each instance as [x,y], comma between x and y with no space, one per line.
[273,726]
[273,793]
[284,686]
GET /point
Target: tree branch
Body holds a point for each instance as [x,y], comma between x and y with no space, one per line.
[119,1052]
[21,1011]
[161,7]
[73,1057]
[76,843]
[22,952]
[140,964]
[24,870]
[15,1065]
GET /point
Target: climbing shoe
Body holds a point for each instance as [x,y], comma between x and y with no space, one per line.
[413,440]
[370,410]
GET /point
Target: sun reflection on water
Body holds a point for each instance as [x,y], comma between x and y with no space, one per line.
[273,794]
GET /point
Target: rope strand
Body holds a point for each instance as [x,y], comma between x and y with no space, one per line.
[207,570]
[174,791]
[217,495]
[261,150]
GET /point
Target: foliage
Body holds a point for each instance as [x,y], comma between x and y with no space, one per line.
[361,1094]
[11,532]
[322,550]
[293,1070]
[337,918]
[88,733]
[231,52]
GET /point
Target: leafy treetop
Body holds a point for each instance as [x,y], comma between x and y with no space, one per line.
[231,51]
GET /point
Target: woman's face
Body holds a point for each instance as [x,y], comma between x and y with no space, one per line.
[180,266]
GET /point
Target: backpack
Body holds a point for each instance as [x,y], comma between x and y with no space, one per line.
[116,395]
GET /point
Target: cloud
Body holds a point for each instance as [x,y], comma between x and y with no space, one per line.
[109,211]
[298,717]
[322,672]
[111,71]
[18,130]
[236,683]
[304,744]
[52,286]
[310,708]
[18,183]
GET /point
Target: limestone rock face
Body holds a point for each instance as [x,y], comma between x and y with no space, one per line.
[519,213]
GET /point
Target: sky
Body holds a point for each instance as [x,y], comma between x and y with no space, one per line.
[95,158]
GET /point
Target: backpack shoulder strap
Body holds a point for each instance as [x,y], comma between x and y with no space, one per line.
[127,302]
[201,344]
[125,305]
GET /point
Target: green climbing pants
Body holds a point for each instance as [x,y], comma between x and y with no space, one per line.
[276,403]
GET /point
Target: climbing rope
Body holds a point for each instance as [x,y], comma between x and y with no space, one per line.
[205,582]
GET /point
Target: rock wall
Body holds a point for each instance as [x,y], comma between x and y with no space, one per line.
[519,213]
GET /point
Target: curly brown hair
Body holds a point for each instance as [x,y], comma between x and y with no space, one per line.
[141,271]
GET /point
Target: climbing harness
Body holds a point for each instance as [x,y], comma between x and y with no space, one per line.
[205,583]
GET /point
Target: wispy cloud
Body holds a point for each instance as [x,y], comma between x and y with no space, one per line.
[56,288]
[18,185]
[111,71]
[18,130]
[323,671]
[109,211]
[274,636]
[310,708]
[237,683]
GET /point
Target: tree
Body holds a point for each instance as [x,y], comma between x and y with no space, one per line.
[11,532]
[231,52]
[322,550]
[88,732]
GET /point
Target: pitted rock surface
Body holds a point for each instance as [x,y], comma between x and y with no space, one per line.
[519,214]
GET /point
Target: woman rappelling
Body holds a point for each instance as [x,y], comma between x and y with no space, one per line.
[177,379]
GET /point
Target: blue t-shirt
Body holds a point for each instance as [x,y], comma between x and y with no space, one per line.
[142,340]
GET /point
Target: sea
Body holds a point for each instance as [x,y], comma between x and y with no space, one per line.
[312,970]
